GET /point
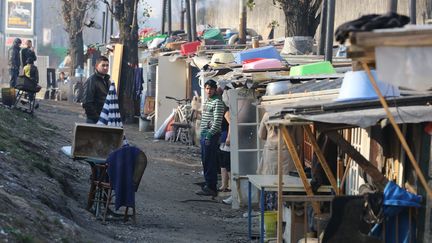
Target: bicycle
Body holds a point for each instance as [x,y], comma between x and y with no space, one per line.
[182,121]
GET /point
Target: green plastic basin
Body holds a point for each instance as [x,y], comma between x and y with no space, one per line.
[312,69]
[213,34]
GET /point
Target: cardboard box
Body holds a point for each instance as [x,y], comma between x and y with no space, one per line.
[95,141]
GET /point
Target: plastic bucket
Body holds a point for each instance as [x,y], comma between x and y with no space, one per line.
[313,69]
[8,96]
[143,125]
[270,222]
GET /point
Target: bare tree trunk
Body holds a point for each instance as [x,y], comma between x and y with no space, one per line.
[301,17]
[129,39]
[74,13]
[76,51]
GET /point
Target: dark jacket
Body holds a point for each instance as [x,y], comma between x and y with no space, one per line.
[27,53]
[14,56]
[95,91]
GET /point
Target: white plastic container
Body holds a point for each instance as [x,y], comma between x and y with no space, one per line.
[356,86]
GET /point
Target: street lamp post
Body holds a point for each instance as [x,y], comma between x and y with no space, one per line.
[243,21]
[413,11]
[392,5]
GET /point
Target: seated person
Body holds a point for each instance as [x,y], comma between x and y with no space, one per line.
[31,72]
[62,84]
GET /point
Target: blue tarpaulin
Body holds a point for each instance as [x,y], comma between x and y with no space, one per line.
[396,212]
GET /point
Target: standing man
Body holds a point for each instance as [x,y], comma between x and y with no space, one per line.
[96,89]
[211,122]
[28,53]
[14,61]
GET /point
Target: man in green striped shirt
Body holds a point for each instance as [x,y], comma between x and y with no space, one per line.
[211,121]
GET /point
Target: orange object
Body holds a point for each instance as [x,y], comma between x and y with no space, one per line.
[170,126]
[149,105]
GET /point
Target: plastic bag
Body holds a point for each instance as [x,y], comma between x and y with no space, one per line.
[161,131]
[407,67]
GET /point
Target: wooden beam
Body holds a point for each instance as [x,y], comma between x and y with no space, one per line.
[117,65]
[280,193]
[378,178]
[296,158]
[321,157]
[323,98]
[300,95]
[392,38]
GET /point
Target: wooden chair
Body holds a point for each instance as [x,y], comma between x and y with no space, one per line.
[105,185]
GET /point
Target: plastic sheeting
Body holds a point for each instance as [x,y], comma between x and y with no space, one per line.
[405,66]
[370,117]
[398,224]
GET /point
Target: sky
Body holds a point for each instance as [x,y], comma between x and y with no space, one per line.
[156,16]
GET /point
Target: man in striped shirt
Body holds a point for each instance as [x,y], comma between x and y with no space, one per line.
[211,122]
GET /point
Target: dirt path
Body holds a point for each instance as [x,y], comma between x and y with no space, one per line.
[167,208]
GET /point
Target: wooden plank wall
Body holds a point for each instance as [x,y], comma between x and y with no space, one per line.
[264,12]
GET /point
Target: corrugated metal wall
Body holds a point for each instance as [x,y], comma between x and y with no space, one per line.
[225,13]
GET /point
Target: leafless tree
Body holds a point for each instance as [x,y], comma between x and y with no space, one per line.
[74,15]
[302,16]
[125,13]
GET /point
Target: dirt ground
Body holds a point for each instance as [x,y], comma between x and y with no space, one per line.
[43,193]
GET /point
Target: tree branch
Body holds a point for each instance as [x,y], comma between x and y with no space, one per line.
[110,8]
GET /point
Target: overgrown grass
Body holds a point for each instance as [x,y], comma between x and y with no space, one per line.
[20,237]
[24,138]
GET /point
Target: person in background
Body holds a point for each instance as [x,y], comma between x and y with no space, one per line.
[62,86]
[62,78]
[268,164]
[14,61]
[211,122]
[224,153]
[31,72]
[96,89]
[28,53]
[67,61]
